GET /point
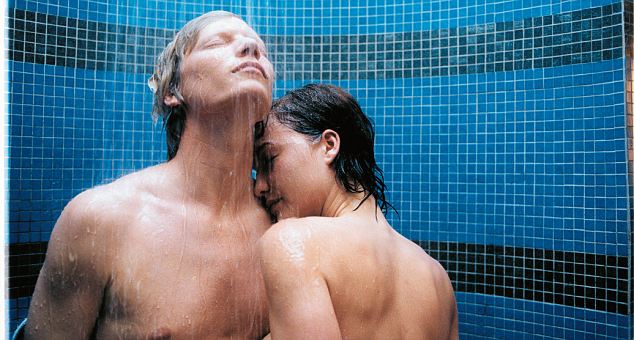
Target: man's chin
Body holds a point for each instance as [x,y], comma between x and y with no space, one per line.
[255,91]
[258,101]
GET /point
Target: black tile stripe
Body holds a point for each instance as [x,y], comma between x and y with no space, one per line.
[590,281]
[53,40]
[628,14]
[25,261]
[581,36]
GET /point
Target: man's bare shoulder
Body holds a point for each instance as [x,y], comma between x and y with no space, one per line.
[137,182]
[103,206]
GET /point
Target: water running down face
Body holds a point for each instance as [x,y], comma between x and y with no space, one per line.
[228,59]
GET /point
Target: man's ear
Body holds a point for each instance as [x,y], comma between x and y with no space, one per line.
[171,100]
[330,143]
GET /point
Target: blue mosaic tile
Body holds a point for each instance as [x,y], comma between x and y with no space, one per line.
[500,126]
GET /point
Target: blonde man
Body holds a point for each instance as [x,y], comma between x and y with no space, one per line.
[168,252]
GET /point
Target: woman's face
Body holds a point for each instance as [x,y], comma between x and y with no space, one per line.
[293,176]
[228,62]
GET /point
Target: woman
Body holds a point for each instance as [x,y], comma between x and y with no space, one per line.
[333,266]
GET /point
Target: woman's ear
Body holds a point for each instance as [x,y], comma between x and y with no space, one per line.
[171,100]
[330,142]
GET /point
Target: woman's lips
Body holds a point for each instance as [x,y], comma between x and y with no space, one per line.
[271,203]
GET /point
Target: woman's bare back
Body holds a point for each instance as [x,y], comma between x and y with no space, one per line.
[380,285]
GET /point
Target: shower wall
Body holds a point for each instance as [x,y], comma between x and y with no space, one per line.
[504,130]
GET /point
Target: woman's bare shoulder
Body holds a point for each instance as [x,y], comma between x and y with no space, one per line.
[305,229]
[298,238]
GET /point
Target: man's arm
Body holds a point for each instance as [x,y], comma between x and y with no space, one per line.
[70,287]
[299,301]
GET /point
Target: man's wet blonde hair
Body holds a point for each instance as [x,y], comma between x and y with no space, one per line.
[166,78]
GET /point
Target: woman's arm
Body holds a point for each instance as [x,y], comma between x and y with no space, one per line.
[299,300]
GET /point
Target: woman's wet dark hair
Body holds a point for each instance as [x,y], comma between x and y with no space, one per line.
[314,108]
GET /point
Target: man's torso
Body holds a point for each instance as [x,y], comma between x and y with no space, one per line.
[178,272]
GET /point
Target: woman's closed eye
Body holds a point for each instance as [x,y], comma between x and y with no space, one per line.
[266,163]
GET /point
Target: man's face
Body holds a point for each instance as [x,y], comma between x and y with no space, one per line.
[290,173]
[228,63]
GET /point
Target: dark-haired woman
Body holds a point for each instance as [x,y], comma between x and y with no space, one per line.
[333,266]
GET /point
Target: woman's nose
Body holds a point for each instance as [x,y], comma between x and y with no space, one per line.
[261,186]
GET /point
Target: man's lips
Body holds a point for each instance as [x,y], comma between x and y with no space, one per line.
[250,65]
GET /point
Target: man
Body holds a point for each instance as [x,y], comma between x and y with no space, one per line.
[333,266]
[168,252]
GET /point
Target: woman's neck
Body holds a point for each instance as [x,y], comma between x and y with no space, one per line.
[340,202]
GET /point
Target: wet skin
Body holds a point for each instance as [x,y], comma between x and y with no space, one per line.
[169,252]
[343,273]
[144,264]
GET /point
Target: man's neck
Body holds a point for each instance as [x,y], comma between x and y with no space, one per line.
[214,161]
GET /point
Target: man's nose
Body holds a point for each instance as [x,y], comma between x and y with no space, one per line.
[249,47]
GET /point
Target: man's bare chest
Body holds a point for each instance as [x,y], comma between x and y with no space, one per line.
[181,283]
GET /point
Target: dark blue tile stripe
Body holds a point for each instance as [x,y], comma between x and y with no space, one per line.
[592,281]
[598,282]
[581,36]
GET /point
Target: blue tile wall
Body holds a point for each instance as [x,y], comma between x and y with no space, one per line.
[629,95]
[451,132]
[501,127]
[371,17]
[71,129]
[304,17]
[491,317]
[519,139]
[155,14]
